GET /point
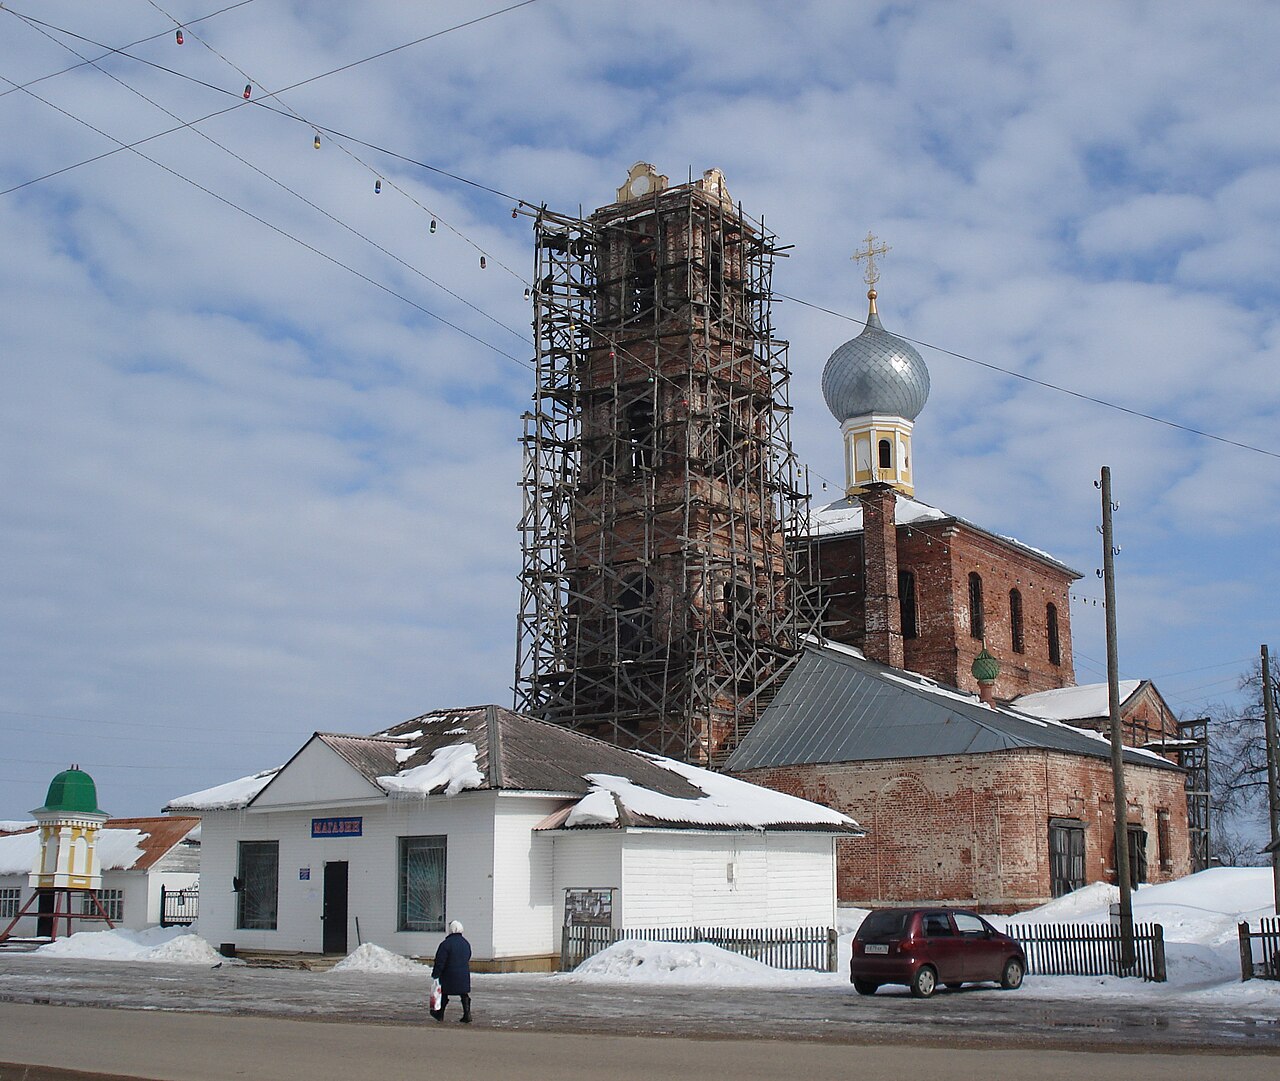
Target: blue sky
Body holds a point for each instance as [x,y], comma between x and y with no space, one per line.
[248,494]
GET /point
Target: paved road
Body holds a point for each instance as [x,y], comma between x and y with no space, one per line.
[202,1047]
[979,1017]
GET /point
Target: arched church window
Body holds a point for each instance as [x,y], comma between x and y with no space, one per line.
[1015,621]
[639,433]
[643,273]
[977,624]
[1051,623]
[634,614]
[886,454]
[907,603]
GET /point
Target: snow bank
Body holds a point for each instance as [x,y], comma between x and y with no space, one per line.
[169,945]
[633,961]
[371,958]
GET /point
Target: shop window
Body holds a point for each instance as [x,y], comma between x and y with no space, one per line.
[422,884]
[977,624]
[1066,855]
[1015,621]
[907,603]
[112,902]
[258,883]
[1051,623]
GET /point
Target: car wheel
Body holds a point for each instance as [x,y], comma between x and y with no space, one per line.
[865,987]
[924,982]
[1011,977]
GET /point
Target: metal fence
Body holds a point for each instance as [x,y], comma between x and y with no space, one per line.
[1090,949]
[1264,962]
[779,947]
[179,908]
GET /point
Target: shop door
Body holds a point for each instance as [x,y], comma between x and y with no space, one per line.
[335,907]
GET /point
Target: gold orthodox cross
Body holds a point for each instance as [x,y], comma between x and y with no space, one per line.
[869,253]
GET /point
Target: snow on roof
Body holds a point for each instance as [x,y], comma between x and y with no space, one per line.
[726,803]
[118,850]
[845,516]
[1073,703]
[451,769]
[224,797]
[17,827]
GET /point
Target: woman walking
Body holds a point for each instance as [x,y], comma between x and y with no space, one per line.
[453,969]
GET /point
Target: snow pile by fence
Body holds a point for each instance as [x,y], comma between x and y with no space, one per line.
[170,945]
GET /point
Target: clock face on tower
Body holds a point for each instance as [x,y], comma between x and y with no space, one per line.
[641,185]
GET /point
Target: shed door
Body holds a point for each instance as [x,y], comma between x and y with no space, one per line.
[335,907]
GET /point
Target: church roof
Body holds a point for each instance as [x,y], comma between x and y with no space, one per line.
[489,747]
[844,517]
[1087,701]
[876,372]
[837,706]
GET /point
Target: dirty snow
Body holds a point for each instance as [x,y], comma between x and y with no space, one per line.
[370,958]
[451,769]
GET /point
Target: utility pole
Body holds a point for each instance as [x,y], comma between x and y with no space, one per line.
[1127,953]
[1273,765]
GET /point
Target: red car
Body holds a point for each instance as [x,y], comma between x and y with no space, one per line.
[925,947]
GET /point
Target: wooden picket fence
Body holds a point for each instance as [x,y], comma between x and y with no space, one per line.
[1266,965]
[1090,949]
[780,947]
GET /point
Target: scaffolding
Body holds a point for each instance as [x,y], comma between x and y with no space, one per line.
[1193,756]
[660,602]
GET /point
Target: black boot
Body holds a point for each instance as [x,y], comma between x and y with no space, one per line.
[466,1009]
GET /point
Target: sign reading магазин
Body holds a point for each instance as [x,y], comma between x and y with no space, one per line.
[337,827]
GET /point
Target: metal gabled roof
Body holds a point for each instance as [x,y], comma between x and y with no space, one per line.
[836,707]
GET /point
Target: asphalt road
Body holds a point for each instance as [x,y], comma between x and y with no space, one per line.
[973,1017]
[163,1046]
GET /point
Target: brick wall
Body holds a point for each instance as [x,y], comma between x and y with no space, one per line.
[974,829]
[941,556]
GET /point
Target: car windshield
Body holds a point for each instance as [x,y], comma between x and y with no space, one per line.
[884,925]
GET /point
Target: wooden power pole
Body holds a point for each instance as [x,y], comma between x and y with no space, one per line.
[1273,767]
[1127,952]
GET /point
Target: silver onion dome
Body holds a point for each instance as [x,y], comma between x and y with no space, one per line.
[876,372]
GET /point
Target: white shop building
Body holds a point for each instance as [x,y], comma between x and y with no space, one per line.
[489,817]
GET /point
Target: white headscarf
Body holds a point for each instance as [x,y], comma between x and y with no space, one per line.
[455,928]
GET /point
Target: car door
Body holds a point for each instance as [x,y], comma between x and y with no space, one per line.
[943,946]
[981,956]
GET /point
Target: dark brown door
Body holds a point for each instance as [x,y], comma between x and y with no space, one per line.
[335,907]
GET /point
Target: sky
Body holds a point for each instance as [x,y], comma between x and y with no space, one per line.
[258,436]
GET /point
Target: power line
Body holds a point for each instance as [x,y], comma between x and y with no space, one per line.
[111,51]
[282,232]
[1049,386]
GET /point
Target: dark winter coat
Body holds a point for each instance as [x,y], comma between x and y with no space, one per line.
[453,965]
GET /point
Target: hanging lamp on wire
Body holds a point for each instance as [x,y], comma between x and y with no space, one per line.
[527,292]
[178,36]
[377,187]
[248,89]
[316,144]
[433,225]
[483,262]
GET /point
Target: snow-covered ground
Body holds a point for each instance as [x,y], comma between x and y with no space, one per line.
[1199,915]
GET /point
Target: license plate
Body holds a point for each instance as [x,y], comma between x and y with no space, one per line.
[873,947]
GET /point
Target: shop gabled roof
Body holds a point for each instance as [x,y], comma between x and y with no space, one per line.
[837,706]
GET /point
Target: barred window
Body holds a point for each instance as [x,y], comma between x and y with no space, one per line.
[977,624]
[422,884]
[1055,644]
[259,885]
[112,902]
[10,902]
[1015,621]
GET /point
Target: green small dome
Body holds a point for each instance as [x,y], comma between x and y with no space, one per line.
[73,791]
[985,668]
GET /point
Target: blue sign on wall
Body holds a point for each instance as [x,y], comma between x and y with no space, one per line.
[337,827]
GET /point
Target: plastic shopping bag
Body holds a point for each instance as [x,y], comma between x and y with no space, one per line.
[435,997]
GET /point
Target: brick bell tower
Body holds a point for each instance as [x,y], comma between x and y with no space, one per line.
[660,603]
